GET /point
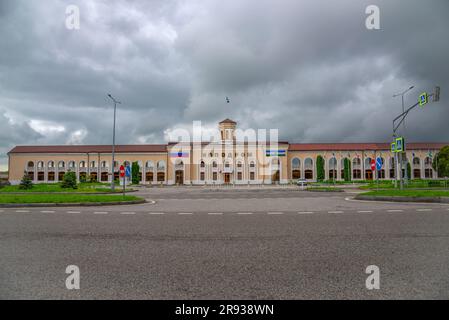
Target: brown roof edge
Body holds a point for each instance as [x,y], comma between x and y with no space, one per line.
[362,146]
[89,148]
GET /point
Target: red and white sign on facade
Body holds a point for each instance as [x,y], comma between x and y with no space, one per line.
[373,164]
[122,171]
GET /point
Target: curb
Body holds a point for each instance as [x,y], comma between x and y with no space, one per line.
[74,204]
[81,193]
[322,190]
[403,199]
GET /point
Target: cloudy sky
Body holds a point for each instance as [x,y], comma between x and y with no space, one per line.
[309,68]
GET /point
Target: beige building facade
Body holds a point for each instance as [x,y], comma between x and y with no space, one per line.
[225,160]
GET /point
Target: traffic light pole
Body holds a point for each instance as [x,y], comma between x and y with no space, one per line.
[401,117]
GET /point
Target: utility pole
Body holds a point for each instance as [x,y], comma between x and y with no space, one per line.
[113,143]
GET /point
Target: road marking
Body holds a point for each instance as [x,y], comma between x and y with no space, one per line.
[185,213]
[127,213]
[156,212]
[305,212]
[335,212]
[242,213]
[275,213]
[22,211]
[423,209]
[395,210]
[215,213]
[100,212]
[73,211]
[47,211]
[365,211]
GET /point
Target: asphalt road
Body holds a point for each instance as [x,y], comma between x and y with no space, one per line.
[227,244]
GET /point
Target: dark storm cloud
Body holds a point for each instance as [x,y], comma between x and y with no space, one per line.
[309,68]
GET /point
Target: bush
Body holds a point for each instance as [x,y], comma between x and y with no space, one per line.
[83,179]
[69,181]
[320,168]
[135,173]
[26,182]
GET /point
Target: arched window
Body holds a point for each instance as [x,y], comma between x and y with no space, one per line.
[416,161]
[104,164]
[308,163]
[356,162]
[202,164]
[296,163]
[308,168]
[161,166]
[61,164]
[149,164]
[72,164]
[239,164]
[252,164]
[428,162]
[332,163]
[227,164]
[40,165]
[82,164]
[30,164]
[367,163]
[51,164]
[214,164]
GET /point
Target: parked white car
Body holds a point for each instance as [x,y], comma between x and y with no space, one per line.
[301,182]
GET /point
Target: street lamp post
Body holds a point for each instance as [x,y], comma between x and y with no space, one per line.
[113,142]
[403,126]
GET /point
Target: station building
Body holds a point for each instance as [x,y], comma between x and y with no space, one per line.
[219,162]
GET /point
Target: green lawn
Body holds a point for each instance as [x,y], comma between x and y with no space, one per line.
[62,198]
[437,184]
[409,193]
[56,187]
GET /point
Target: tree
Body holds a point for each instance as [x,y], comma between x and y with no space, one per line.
[26,182]
[320,168]
[135,171]
[441,162]
[347,170]
[69,180]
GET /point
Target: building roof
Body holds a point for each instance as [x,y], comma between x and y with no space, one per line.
[90,148]
[360,146]
[149,148]
[227,120]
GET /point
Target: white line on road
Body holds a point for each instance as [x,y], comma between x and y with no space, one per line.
[101,212]
[242,213]
[335,212]
[395,210]
[365,211]
[127,213]
[215,213]
[156,213]
[305,212]
[47,211]
[424,209]
[275,213]
[185,213]
[73,211]
[22,211]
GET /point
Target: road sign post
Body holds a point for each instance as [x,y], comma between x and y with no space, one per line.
[122,175]
[379,165]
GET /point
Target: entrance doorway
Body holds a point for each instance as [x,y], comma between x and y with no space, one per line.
[275,177]
[179,176]
[227,178]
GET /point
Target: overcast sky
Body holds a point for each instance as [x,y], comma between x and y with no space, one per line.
[309,68]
